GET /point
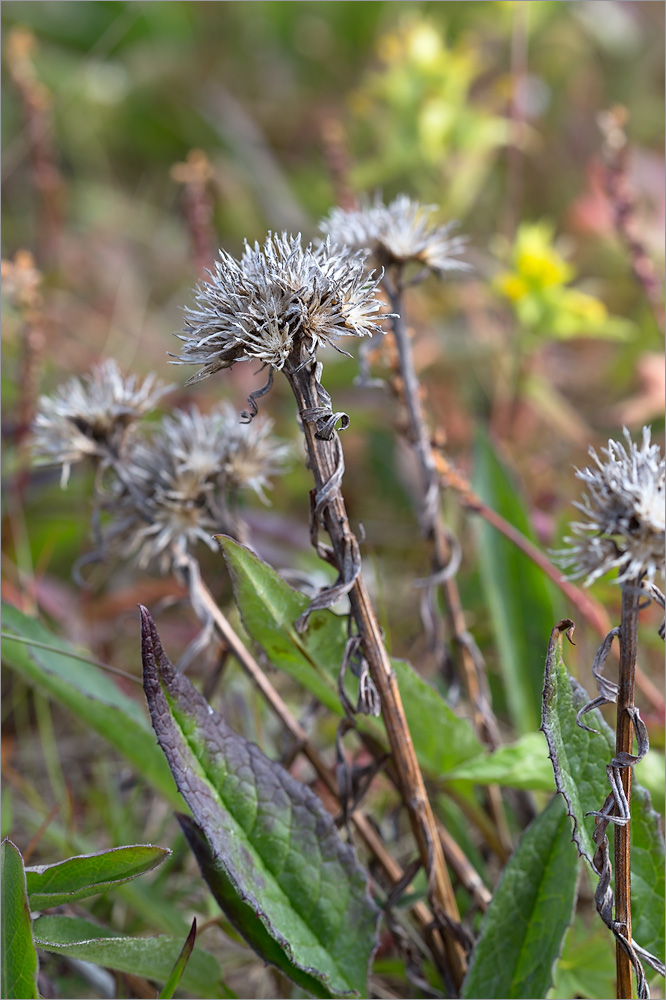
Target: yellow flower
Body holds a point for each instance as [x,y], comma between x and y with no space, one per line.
[511,285]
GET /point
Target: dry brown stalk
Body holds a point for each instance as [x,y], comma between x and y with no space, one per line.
[373,842]
[324,454]
[624,744]
[618,187]
[196,174]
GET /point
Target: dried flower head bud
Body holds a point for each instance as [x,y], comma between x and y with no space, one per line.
[90,416]
[274,298]
[176,483]
[624,511]
[400,233]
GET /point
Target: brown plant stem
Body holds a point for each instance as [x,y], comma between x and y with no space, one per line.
[373,842]
[323,454]
[624,737]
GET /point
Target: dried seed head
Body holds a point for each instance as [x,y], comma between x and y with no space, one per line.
[176,483]
[400,233]
[90,416]
[275,297]
[624,511]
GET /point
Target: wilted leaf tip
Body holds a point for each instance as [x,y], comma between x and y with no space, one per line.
[156,663]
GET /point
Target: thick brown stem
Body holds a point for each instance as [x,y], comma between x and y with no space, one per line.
[323,458]
[624,744]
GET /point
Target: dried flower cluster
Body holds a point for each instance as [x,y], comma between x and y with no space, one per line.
[90,416]
[171,488]
[624,511]
[400,233]
[274,298]
[176,483]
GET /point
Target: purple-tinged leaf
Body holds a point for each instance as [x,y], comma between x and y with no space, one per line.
[276,863]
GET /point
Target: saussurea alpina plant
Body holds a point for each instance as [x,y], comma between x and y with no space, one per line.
[279,304]
[622,530]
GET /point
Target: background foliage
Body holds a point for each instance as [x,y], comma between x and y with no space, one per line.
[549,344]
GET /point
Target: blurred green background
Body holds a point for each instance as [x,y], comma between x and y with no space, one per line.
[488,110]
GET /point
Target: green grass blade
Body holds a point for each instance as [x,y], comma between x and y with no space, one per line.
[520,598]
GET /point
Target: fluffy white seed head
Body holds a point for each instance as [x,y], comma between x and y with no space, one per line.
[88,416]
[177,483]
[276,296]
[623,508]
[399,233]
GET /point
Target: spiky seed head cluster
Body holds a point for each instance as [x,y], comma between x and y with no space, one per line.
[176,483]
[91,415]
[624,514]
[277,296]
[399,233]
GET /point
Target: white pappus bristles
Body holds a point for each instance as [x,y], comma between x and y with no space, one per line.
[624,514]
[399,233]
[276,296]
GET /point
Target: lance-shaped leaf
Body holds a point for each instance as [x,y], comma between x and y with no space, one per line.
[269,835]
[523,764]
[524,928]
[520,597]
[579,762]
[151,957]
[269,607]
[19,957]
[76,878]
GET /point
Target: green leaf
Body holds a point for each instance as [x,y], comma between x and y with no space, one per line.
[151,957]
[441,739]
[87,692]
[587,964]
[269,607]
[271,841]
[171,984]
[579,763]
[76,878]
[523,930]
[519,595]
[523,764]
[19,957]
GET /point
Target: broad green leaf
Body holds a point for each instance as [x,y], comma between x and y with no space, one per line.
[519,595]
[579,763]
[171,985]
[523,764]
[76,878]
[87,692]
[19,957]
[523,930]
[269,607]
[271,839]
[244,917]
[586,967]
[441,739]
[151,957]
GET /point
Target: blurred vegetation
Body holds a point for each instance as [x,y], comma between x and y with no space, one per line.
[487,109]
